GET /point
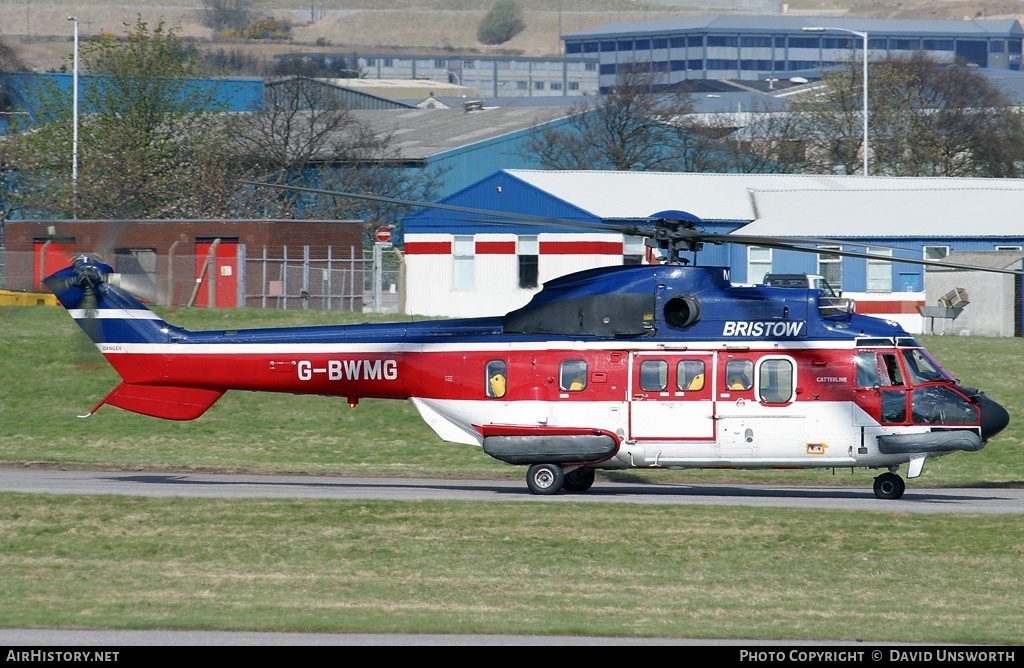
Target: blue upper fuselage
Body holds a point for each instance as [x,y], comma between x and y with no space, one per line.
[661,302]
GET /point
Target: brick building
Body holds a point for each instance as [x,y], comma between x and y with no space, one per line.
[222,263]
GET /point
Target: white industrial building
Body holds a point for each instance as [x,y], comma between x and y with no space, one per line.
[457,267]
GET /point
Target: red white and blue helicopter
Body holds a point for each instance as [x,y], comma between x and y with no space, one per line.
[650,366]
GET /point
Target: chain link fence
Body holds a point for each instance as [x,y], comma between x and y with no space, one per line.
[282,277]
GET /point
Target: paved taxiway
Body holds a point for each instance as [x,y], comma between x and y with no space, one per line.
[138,483]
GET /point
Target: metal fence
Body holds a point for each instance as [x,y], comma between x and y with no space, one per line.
[281,277]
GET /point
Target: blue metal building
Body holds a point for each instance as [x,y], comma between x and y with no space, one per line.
[22,92]
[762,47]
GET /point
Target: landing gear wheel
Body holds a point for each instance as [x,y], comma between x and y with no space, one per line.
[889,486]
[578,480]
[545,478]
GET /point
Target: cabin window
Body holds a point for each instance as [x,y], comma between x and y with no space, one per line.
[572,375]
[739,374]
[497,377]
[653,375]
[775,381]
[690,375]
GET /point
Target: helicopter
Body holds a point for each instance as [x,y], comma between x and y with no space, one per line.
[666,365]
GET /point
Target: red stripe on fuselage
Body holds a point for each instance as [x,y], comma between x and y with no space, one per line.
[531,375]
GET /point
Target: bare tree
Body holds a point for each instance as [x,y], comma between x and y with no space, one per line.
[306,136]
[636,126]
[925,119]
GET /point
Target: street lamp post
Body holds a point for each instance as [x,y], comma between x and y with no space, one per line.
[864,76]
[74,112]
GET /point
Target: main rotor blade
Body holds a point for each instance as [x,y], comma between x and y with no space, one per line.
[502,216]
[792,246]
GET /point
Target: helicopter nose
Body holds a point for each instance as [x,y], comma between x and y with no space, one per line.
[994,417]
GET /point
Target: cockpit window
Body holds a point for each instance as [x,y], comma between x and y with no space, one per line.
[867,370]
[891,367]
[922,368]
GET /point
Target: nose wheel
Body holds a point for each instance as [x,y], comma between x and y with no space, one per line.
[889,486]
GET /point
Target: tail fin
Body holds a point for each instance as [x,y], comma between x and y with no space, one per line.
[114,319]
[105,314]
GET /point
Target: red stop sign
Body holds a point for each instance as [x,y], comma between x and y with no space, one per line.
[383,233]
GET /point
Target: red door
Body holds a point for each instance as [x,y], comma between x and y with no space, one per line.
[216,273]
[48,256]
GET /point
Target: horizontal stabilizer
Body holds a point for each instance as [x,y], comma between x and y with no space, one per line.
[162,401]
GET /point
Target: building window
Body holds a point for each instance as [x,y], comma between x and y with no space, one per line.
[879,271]
[723,40]
[759,263]
[463,275]
[633,250]
[830,266]
[935,252]
[528,252]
